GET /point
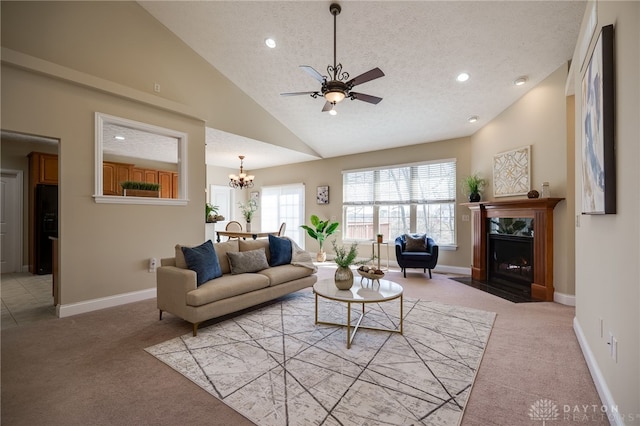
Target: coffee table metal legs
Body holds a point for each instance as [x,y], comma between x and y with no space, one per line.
[351,333]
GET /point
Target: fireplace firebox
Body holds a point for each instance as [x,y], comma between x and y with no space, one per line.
[510,259]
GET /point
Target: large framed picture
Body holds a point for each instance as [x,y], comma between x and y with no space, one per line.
[598,152]
[512,172]
[322,195]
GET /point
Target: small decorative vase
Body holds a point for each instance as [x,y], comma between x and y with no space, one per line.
[321,256]
[248,226]
[474,197]
[344,278]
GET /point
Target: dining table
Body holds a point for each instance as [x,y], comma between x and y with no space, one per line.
[245,234]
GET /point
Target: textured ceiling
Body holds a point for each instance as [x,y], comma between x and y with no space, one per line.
[421,47]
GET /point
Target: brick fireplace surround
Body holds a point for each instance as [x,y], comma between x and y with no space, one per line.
[541,211]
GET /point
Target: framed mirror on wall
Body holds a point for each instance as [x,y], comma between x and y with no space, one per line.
[139,163]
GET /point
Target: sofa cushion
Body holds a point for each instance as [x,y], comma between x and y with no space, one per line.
[285,273]
[203,260]
[247,245]
[222,249]
[225,287]
[248,261]
[280,249]
[415,242]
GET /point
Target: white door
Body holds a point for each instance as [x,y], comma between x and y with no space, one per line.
[11,221]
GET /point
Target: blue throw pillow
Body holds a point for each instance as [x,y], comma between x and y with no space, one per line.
[204,260]
[280,250]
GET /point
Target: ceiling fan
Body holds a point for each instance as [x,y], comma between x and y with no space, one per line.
[337,85]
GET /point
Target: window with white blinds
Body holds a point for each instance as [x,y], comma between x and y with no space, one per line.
[401,199]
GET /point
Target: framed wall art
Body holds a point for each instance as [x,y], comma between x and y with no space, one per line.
[322,195]
[512,172]
[598,152]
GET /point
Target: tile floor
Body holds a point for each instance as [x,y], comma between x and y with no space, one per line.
[26,298]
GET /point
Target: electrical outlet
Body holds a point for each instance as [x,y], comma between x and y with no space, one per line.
[156,87]
[465,218]
[153,264]
[610,343]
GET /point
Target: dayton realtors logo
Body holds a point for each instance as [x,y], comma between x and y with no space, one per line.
[544,410]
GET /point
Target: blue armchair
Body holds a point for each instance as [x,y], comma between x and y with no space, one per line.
[420,252]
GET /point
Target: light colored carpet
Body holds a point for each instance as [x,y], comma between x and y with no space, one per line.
[276,367]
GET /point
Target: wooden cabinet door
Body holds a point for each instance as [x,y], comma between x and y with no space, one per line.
[138,175]
[166,183]
[174,188]
[113,174]
[48,169]
[151,176]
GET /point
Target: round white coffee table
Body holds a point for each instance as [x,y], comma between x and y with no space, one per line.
[377,292]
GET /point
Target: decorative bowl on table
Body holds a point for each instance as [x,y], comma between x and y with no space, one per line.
[370,273]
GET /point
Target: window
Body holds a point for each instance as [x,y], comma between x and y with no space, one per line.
[401,199]
[284,204]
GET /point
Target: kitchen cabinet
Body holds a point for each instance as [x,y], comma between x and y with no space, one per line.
[113,174]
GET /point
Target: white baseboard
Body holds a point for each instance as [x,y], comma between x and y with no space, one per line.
[601,384]
[564,299]
[452,270]
[104,302]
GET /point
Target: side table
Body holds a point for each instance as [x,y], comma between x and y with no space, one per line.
[373,253]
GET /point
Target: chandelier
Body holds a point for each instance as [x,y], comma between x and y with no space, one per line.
[242,180]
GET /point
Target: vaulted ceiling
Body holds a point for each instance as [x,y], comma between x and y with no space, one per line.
[421,46]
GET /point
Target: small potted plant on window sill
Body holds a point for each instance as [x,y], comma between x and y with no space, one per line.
[140,189]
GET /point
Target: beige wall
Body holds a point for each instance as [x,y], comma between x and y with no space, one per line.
[537,119]
[329,172]
[608,246]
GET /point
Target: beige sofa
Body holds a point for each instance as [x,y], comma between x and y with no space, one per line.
[178,293]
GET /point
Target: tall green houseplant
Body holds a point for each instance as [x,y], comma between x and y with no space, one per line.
[320,231]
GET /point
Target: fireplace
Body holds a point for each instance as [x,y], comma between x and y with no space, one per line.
[539,274]
[510,259]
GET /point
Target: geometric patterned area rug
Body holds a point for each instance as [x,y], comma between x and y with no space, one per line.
[275,366]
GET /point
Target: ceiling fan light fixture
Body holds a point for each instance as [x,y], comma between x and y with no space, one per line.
[334,96]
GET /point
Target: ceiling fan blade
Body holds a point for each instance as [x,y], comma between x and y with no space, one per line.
[299,93]
[328,106]
[365,98]
[367,76]
[313,73]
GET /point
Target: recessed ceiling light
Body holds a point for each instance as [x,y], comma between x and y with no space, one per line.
[473,119]
[520,81]
[120,138]
[333,112]
[463,76]
[271,43]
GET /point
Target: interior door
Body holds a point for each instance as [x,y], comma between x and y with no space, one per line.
[10,223]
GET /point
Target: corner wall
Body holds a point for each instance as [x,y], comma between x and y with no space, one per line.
[608,246]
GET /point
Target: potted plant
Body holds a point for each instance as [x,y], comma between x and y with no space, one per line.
[248,209]
[211,213]
[140,189]
[472,185]
[344,258]
[320,231]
